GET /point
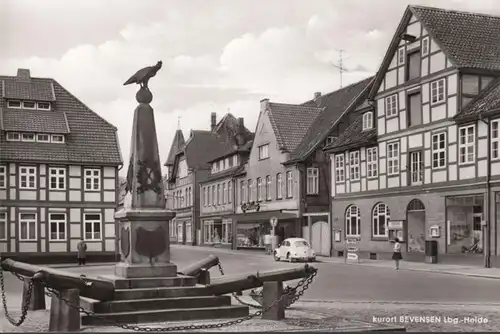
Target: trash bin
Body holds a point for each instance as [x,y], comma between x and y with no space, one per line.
[431,251]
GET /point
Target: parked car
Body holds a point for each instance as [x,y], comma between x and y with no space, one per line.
[294,249]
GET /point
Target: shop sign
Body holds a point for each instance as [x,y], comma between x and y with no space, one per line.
[250,206]
[395,225]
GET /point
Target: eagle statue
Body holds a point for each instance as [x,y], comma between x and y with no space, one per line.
[143,75]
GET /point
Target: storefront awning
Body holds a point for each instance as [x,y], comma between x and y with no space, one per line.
[263,215]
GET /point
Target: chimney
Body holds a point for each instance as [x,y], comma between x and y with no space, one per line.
[240,135]
[317,95]
[213,121]
[264,104]
[23,74]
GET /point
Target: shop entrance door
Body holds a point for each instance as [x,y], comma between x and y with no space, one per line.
[320,235]
[415,213]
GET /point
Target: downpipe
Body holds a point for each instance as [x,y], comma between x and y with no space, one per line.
[487,226]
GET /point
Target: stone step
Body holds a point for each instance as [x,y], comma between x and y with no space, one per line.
[220,312]
[160,304]
[150,293]
[150,282]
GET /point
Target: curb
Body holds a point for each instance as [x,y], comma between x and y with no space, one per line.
[396,302]
[71,265]
[330,261]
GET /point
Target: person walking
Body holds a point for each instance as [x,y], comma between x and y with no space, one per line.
[82,249]
[396,256]
[267,243]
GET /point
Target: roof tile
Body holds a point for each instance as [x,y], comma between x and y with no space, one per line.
[28,90]
[353,137]
[34,121]
[488,100]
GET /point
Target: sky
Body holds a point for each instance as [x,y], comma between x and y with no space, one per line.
[218,55]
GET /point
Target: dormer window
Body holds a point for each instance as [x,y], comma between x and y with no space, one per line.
[28,137]
[368,120]
[13,136]
[330,140]
[14,104]
[57,139]
[43,105]
[29,105]
[43,138]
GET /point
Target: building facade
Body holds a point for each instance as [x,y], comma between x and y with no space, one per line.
[188,165]
[412,165]
[59,165]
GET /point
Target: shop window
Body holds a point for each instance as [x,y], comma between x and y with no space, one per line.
[216,232]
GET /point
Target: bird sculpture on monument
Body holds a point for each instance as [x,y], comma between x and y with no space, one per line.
[143,75]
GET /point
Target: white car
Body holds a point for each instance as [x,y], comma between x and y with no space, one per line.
[294,249]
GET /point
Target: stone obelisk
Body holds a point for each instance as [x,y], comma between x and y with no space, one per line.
[144,221]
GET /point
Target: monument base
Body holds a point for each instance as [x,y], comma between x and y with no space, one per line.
[141,270]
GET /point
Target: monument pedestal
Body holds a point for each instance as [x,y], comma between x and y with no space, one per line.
[145,243]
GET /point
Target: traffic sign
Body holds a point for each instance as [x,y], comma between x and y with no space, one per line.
[352,256]
[273,221]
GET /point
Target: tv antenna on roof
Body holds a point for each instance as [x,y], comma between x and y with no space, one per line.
[178,122]
[340,65]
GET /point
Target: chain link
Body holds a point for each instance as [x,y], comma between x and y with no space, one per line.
[25,305]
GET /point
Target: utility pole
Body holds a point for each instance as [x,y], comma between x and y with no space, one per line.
[340,65]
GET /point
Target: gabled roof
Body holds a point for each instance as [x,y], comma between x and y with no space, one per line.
[91,139]
[177,146]
[353,137]
[488,101]
[202,146]
[470,40]
[290,123]
[335,105]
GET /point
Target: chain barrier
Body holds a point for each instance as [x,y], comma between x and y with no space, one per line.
[25,305]
[299,290]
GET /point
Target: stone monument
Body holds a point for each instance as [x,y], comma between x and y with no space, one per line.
[144,230]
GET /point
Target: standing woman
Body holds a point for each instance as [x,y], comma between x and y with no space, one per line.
[396,256]
[82,249]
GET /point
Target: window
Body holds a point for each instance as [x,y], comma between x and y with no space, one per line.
[28,137]
[14,104]
[495,142]
[230,162]
[218,194]
[242,192]
[425,46]
[27,177]
[312,181]
[437,91]
[268,187]
[354,166]
[214,196]
[353,221]
[3,177]
[414,109]
[339,168]
[470,84]
[57,223]
[190,196]
[401,57]
[57,139]
[205,196]
[186,196]
[393,158]
[289,184]
[413,65]
[466,144]
[229,192]
[57,178]
[27,226]
[259,189]
[264,151]
[416,169]
[3,225]
[279,186]
[42,138]
[381,215]
[92,222]
[329,140]
[43,105]
[224,193]
[29,105]
[13,136]
[391,105]
[92,179]
[371,162]
[249,192]
[439,150]
[367,120]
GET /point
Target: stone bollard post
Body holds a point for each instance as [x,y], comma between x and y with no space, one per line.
[64,318]
[204,277]
[37,300]
[271,292]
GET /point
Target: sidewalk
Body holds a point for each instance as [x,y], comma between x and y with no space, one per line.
[471,271]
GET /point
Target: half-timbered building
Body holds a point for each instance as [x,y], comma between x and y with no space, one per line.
[59,164]
[421,162]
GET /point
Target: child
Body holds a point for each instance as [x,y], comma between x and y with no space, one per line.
[396,256]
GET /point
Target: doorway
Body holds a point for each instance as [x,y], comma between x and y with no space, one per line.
[320,235]
[415,220]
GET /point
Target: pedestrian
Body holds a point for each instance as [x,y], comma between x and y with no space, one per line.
[396,256]
[82,249]
[267,243]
